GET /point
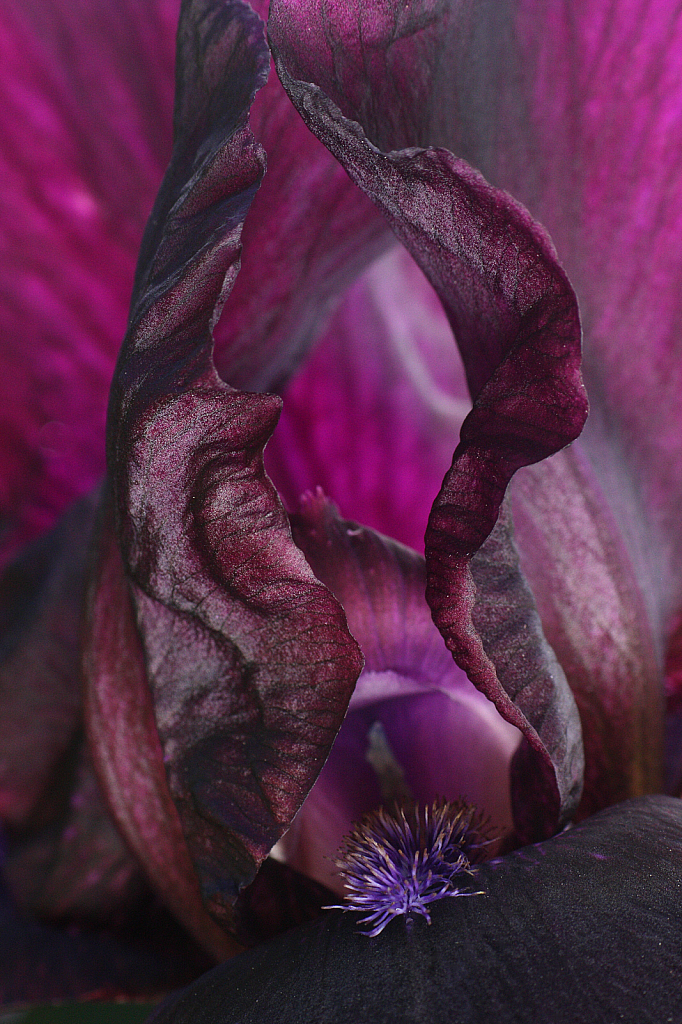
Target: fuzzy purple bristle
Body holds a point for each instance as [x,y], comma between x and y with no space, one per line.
[395,863]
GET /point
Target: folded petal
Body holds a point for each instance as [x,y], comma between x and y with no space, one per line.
[513,313]
[248,656]
[550,939]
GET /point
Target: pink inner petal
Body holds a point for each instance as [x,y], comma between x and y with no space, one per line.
[383,393]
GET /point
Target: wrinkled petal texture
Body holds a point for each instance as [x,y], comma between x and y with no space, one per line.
[514,316]
[584,926]
[249,658]
[86,138]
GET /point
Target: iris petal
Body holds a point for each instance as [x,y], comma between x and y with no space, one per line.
[584,926]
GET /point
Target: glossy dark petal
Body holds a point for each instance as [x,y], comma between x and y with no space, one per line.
[248,656]
[516,322]
[583,927]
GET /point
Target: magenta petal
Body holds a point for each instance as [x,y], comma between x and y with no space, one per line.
[604,88]
[249,659]
[84,138]
[308,234]
[382,393]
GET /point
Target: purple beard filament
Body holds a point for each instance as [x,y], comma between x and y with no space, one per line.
[396,862]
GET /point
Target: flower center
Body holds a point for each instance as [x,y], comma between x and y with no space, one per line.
[398,861]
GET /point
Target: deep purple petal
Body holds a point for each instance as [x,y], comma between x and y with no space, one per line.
[249,658]
[85,136]
[447,738]
[583,927]
[516,322]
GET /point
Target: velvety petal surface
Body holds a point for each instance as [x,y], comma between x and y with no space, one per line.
[584,926]
[248,656]
[516,322]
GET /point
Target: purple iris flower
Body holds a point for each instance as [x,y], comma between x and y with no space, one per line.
[256,669]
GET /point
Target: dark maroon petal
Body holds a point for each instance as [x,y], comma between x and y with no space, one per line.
[126,750]
[583,927]
[594,615]
[248,656]
[41,964]
[84,138]
[516,322]
[41,595]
